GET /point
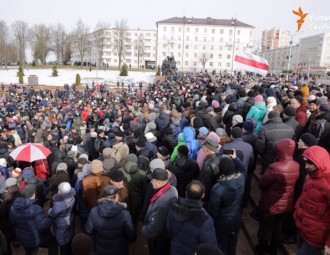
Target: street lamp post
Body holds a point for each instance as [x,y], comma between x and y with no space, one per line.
[290,51]
[233,22]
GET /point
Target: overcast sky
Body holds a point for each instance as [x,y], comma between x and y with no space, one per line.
[144,13]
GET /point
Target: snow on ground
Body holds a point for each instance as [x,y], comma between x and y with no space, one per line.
[69,76]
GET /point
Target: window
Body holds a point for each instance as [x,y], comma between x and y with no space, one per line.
[164,37]
[213,30]
[128,54]
[221,40]
[195,63]
[220,56]
[187,47]
[228,56]
[228,64]
[178,62]
[196,38]
[220,48]
[135,61]
[186,63]
[172,29]
[210,63]
[187,38]
[204,47]
[164,29]
[186,55]
[188,29]
[204,39]
[195,55]
[180,29]
[230,31]
[164,46]
[221,31]
[212,47]
[238,32]
[205,30]
[179,38]
[212,39]
[179,54]
[195,47]
[196,30]
[164,54]
[179,46]
[211,55]
[219,64]
[148,34]
[229,47]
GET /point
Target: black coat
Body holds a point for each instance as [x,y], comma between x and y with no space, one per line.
[112,227]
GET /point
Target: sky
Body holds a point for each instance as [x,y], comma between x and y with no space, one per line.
[145,13]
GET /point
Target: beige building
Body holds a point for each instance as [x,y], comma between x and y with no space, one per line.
[275,38]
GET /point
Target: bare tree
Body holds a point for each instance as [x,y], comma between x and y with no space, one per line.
[67,47]
[119,39]
[80,39]
[139,47]
[203,58]
[3,43]
[59,37]
[20,32]
[99,40]
[40,42]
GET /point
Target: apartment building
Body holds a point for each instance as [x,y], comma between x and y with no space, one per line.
[275,38]
[198,44]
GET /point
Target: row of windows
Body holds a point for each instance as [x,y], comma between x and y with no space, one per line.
[208,64]
[205,30]
[187,55]
[204,47]
[204,39]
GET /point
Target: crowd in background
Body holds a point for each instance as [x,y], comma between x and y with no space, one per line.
[172,162]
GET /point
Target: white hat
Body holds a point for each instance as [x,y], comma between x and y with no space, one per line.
[3,162]
[64,187]
[238,118]
[150,137]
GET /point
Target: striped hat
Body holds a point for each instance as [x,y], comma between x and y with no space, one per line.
[16,172]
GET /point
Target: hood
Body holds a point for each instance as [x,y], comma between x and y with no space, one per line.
[22,203]
[183,123]
[233,107]
[271,102]
[320,157]
[260,105]
[180,137]
[163,116]
[108,208]
[186,209]
[65,196]
[270,92]
[189,134]
[284,149]
[131,167]
[152,116]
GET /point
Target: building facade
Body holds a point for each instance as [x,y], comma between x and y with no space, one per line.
[310,56]
[138,48]
[198,44]
[275,38]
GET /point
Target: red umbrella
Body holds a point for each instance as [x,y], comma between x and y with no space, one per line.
[30,152]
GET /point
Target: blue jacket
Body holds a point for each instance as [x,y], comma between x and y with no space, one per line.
[191,142]
[30,221]
[257,112]
[63,216]
[82,206]
[112,228]
[189,225]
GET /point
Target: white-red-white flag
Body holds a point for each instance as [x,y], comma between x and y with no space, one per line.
[250,62]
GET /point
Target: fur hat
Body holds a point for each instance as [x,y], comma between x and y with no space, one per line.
[97,166]
[62,167]
[220,132]
[28,191]
[119,133]
[64,187]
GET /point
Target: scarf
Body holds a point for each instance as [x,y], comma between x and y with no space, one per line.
[160,192]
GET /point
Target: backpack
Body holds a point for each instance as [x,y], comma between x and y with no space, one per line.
[318,128]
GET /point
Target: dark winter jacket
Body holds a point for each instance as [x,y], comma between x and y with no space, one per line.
[274,130]
[278,182]
[189,225]
[31,223]
[162,121]
[185,170]
[111,226]
[63,216]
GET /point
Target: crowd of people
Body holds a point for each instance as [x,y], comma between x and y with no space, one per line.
[172,162]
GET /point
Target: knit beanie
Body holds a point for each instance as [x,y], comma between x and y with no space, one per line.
[64,187]
[289,111]
[183,150]
[226,166]
[248,125]
[61,167]
[308,139]
[16,172]
[131,158]
[258,99]
[11,182]
[157,163]
[27,174]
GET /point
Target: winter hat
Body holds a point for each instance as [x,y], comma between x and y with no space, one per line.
[150,137]
[131,158]
[308,139]
[258,99]
[183,150]
[97,166]
[106,152]
[215,104]
[211,145]
[220,132]
[16,172]
[82,161]
[203,131]
[159,174]
[28,191]
[84,156]
[320,101]
[248,125]
[208,249]
[289,111]
[62,167]
[141,142]
[93,134]
[120,133]
[86,170]
[162,150]
[157,163]
[71,154]
[236,132]
[116,175]
[226,166]
[82,244]
[64,187]
[273,114]
[27,174]
[312,99]
[3,162]
[11,182]
[109,190]
[238,118]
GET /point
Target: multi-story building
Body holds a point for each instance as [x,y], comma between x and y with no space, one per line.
[138,48]
[199,44]
[310,56]
[275,38]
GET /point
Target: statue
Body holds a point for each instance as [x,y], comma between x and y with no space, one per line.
[169,66]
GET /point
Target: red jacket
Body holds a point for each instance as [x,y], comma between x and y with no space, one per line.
[301,116]
[278,181]
[312,214]
[42,169]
